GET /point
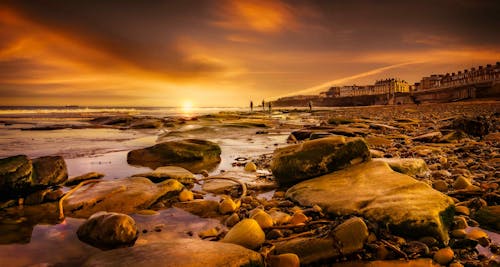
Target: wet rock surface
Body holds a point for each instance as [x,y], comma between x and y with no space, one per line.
[169,172]
[179,252]
[108,230]
[124,195]
[176,153]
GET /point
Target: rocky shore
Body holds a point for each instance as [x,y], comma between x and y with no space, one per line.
[365,186]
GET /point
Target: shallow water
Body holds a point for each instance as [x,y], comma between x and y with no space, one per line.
[37,239]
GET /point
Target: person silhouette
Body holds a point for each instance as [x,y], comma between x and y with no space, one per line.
[263,105]
[310,106]
[270,107]
[251,105]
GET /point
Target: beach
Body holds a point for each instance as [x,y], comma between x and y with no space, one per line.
[448,187]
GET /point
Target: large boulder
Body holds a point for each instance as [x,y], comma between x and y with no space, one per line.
[125,195]
[15,175]
[317,157]
[169,172]
[178,252]
[176,153]
[108,230]
[475,126]
[372,189]
[48,171]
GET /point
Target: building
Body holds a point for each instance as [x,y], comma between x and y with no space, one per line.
[380,87]
[390,86]
[471,76]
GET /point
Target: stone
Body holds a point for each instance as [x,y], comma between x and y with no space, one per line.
[410,166]
[15,176]
[421,262]
[232,220]
[431,137]
[246,233]
[478,126]
[444,256]
[161,174]
[178,252]
[462,210]
[460,223]
[352,234]
[36,197]
[298,218]
[263,219]
[376,153]
[250,167]
[453,137]
[49,171]
[440,185]
[108,230]
[201,207]
[88,176]
[126,195]
[489,217]
[227,205]
[186,195]
[317,157]
[346,239]
[183,153]
[458,233]
[279,217]
[373,190]
[284,260]
[461,183]
[223,186]
[318,135]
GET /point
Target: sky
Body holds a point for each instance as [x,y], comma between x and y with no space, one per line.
[219,53]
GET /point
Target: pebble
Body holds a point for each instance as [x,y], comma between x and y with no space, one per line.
[186,195]
[444,256]
[461,183]
[212,232]
[440,185]
[458,233]
[460,222]
[274,234]
[232,220]
[462,210]
[227,205]
[298,218]
[263,219]
[284,260]
[250,167]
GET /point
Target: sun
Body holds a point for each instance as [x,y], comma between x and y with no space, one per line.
[187,106]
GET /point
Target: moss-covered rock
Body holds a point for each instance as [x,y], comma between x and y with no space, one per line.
[176,153]
[48,171]
[317,157]
[408,207]
[15,176]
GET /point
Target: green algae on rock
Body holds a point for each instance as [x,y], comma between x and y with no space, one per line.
[317,157]
[373,190]
[176,153]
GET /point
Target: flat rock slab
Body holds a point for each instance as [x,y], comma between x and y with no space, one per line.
[126,195]
[179,252]
[375,191]
[251,180]
[169,172]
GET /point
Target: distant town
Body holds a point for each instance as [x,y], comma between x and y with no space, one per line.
[480,82]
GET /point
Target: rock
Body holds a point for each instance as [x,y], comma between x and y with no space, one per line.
[452,137]
[458,233]
[108,230]
[183,152]
[250,167]
[78,179]
[227,205]
[298,218]
[407,206]
[178,252]
[409,166]
[489,217]
[200,207]
[186,195]
[314,158]
[461,183]
[263,219]
[48,171]
[284,260]
[232,220]
[15,176]
[476,234]
[318,135]
[478,126]
[421,262]
[346,239]
[431,137]
[161,174]
[126,195]
[212,232]
[36,197]
[460,223]
[352,234]
[251,180]
[376,153]
[279,217]
[444,256]
[462,210]
[246,233]
[440,185]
